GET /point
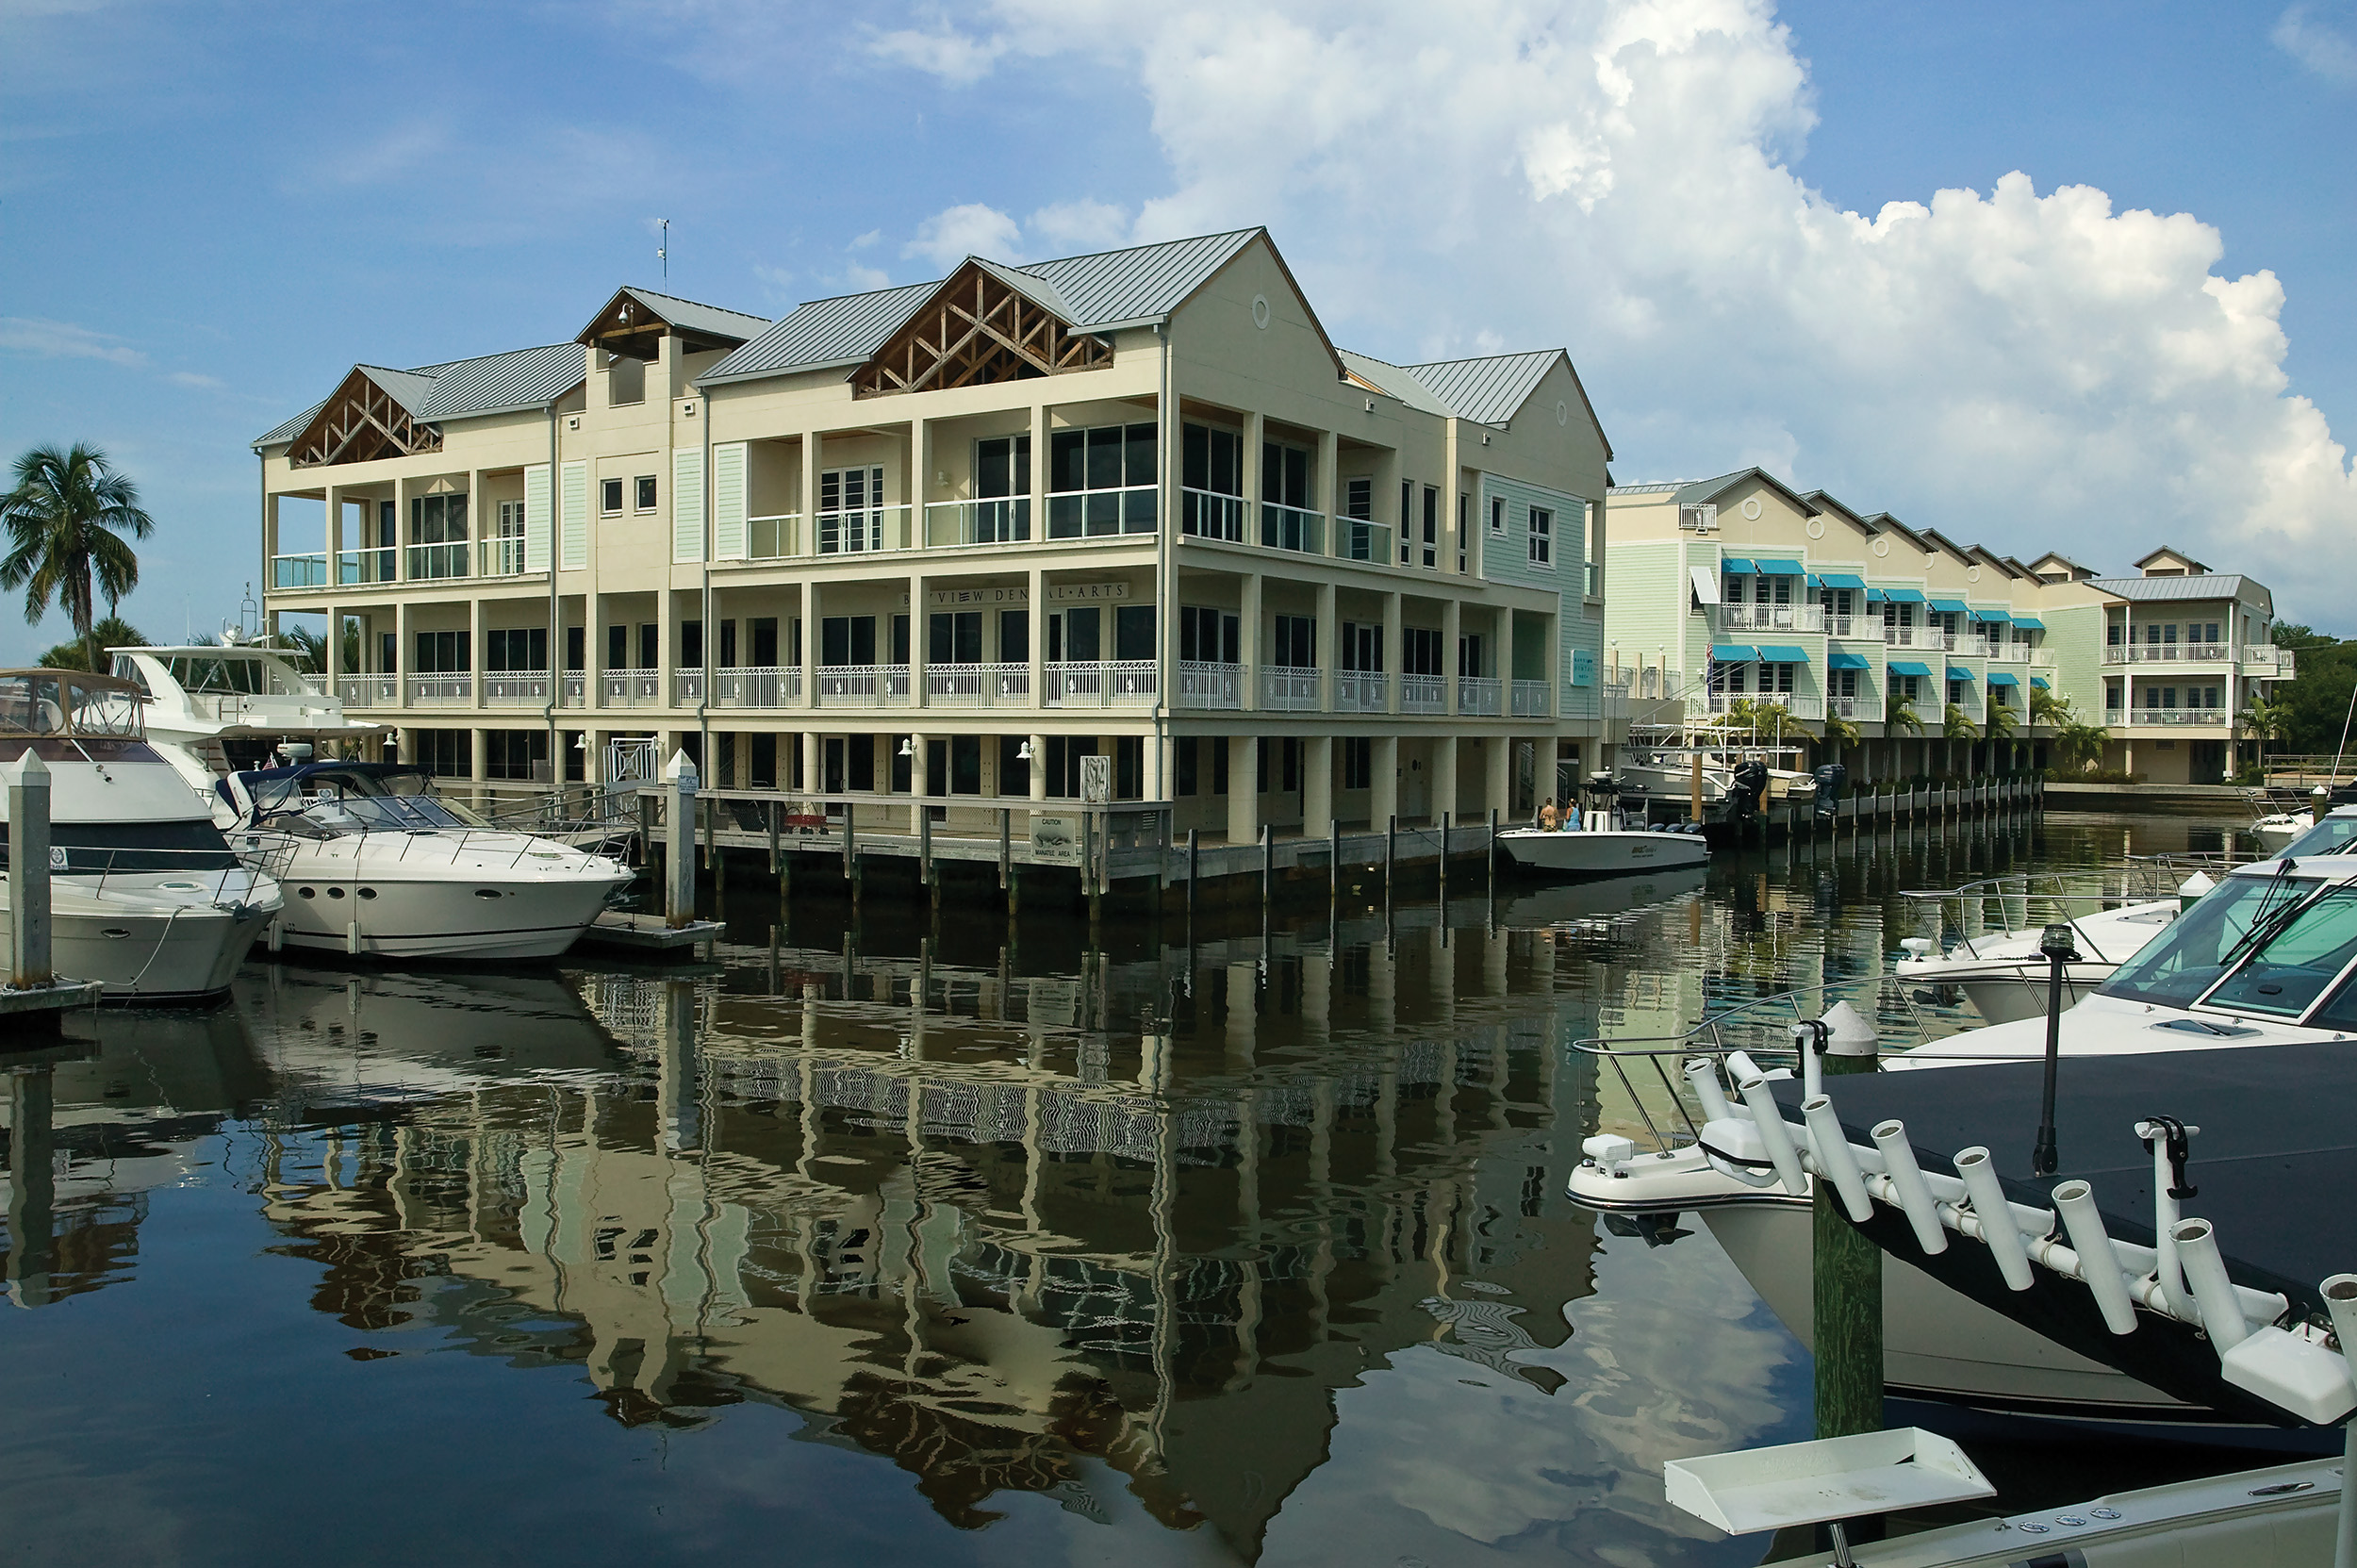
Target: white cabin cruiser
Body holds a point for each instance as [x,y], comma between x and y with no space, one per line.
[1667,773]
[229,706]
[376,864]
[1599,847]
[145,895]
[2003,974]
[2267,958]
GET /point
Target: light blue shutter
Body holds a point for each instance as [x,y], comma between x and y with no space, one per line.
[536,518]
[573,516]
[728,502]
[687,503]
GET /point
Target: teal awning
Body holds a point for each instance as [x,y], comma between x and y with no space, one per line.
[1903,596]
[1908,667]
[1781,568]
[1849,661]
[1733,653]
[1956,674]
[1992,617]
[1951,606]
[2001,678]
[1736,566]
[2041,683]
[2029,622]
[1783,653]
[1841,579]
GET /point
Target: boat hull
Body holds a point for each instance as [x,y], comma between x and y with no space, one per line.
[150,955]
[1601,855]
[440,917]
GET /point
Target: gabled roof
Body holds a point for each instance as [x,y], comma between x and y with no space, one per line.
[2180,589]
[1962,553]
[1488,391]
[1824,502]
[2077,571]
[460,388]
[1099,292]
[2168,550]
[634,318]
[1393,382]
[1701,490]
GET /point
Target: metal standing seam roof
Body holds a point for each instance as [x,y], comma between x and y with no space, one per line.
[2167,589]
[708,319]
[1394,383]
[1097,292]
[458,388]
[1488,391]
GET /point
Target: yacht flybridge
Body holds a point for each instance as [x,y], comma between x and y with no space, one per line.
[145,895]
[228,706]
[376,864]
[2270,957]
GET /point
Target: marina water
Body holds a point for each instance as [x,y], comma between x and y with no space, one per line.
[948,1240]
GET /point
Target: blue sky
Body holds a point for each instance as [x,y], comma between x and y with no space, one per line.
[211,211]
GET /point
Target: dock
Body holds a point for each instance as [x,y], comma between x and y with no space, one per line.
[622,931]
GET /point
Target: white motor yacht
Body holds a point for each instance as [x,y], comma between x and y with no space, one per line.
[2003,973]
[376,864]
[2270,957]
[145,894]
[1667,773]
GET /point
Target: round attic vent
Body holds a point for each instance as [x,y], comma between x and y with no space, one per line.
[1260,312]
[1563,413]
[1751,508]
[1881,546]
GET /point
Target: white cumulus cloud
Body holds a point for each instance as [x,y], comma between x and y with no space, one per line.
[2021,363]
[948,237]
[49,340]
[2322,48]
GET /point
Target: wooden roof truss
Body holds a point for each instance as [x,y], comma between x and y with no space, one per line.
[974,332]
[361,423]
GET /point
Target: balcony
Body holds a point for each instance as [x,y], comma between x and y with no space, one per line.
[1291,528]
[1362,691]
[2009,652]
[773,538]
[862,531]
[454,559]
[2177,716]
[979,685]
[1908,636]
[1773,618]
[1853,708]
[298,571]
[357,567]
[1209,683]
[2265,660]
[953,524]
[369,691]
[441,691]
[1208,515]
[757,687]
[1289,688]
[2164,652]
[629,688]
[1719,703]
[1424,694]
[516,688]
[1533,700]
[687,687]
[1362,541]
[1103,514]
[1478,695]
[863,685]
[1843,625]
[2041,658]
[1100,684]
[572,690]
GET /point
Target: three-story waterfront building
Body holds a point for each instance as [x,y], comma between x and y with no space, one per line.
[955,537]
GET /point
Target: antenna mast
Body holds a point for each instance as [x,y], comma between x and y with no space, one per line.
[663,252]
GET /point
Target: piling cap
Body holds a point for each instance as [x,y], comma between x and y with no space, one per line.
[1849,1034]
[30,770]
[681,769]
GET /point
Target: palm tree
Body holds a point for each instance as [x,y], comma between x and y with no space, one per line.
[1956,724]
[2078,742]
[1900,718]
[66,518]
[111,631]
[1838,732]
[1999,727]
[2268,721]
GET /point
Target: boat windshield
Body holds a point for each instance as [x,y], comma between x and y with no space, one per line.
[2178,965]
[67,702]
[235,675]
[2331,836]
[2289,970]
[360,802]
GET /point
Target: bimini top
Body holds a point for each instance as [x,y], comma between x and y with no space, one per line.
[322,799]
[69,703]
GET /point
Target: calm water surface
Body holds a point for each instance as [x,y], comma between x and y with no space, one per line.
[888,1243]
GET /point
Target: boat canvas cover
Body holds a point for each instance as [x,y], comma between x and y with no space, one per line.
[1908,667]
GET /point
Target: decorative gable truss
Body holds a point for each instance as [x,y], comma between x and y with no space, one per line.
[361,423]
[975,331]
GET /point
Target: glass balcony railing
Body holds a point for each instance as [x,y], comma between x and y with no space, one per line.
[1292,528]
[1208,515]
[1362,541]
[1103,514]
[354,567]
[439,560]
[952,524]
[298,571]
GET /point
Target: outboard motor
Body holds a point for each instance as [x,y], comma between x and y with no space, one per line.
[1751,787]
[1832,780]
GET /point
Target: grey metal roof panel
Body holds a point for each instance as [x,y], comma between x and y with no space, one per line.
[708,319]
[2176,590]
[843,330]
[293,428]
[1142,282]
[1037,289]
[1394,381]
[521,379]
[410,388]
[1647,489]
[1490,390]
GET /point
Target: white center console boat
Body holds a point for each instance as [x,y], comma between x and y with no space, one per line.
[378,865]
[145,895]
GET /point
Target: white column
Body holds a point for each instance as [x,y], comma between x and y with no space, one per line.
[920,749]
[917,624]
[1254,427]
[1317,794]
[1394,662]
[667,645]
[1330,644]
[1244,789]
[810,643]
[811,780]
[813,447]
[1327,499]
[1039,493]
[1506,659]
[474,650]
[1039,748]
[1444,775]
[1452,624]
[1036,593]
[1249,639]
[1383,798]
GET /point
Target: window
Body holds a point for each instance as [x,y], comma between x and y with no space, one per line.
[1065,754]
[1431,525]
[515,754]
[2209,696]
[617,648]
[445,753]
[1497,514]
[441,654]
[1419,651]
[1002,485]
[1844,683]
[1183,765]
[646,492]
[1219,764]
[726,659]
[1014,769]
[761,762]
[1407,515]
[1208,635]
[576,645]
[515,649]
[1128,767]
[1733,679]
[610,498]
[850,510]
[2000,696]
[1955,693]
[1286,521]
[1464,527]
[965,765]
[1469,661]
[1210,472]
[1358,500]
[439,523]
[1358,762]
[1733,587]
[1542,537]
[1296,645]
[1363,646]
[955,637]
[507,550]
[1015,636]
[650,646]
[1133,631]
[1785,678]
[847,640]
[1100,481]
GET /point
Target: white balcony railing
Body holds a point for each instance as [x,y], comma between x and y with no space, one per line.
[298,571]
[687,687]
[2041,658]
[978,685]
[950,524]
[629,688]
[369,691]
[439,560]
[1424,694]
[863,685]
[1099,684]
[516,688]
[1479,695]
[1905,637]
[2006,651]
[1850,708]
[441,690]
[1360,691]
[757,687]
[1289,688]
[1773,618]
[572,690]
[2165,653]
[1794,705]
[2265,658]
[1533,700]
[2179,715]
[1840,625]
[1209,683]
